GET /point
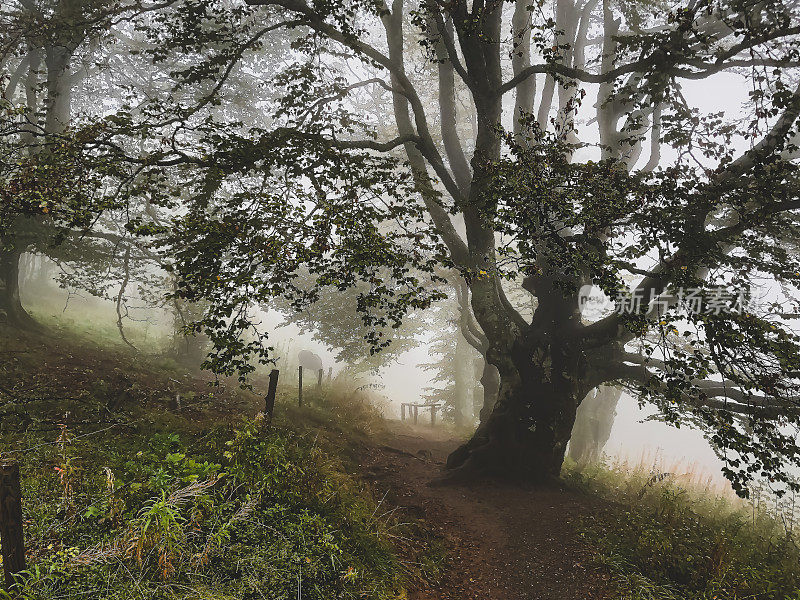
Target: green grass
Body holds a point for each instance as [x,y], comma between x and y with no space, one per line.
[669,537]
[86,317]
[130,498]
[133,499]
[238,512]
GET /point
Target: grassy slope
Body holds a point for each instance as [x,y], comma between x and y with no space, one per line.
[127,497]
[667,536]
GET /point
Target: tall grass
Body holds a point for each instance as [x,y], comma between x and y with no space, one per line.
[236,512]
[673,532]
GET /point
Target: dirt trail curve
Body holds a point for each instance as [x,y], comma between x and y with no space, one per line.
[504,542]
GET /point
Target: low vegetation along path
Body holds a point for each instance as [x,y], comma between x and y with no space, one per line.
[503,542]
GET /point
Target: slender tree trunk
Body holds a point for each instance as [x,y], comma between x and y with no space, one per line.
[463,380]
[44,271]
[593,424]
[11,310]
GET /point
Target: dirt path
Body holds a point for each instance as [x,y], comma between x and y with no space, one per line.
[504,542]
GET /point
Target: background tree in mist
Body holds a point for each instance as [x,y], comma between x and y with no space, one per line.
[63,187]
[452,363]
[334,320]
[42,40]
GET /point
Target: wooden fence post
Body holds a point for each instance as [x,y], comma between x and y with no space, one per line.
[300,385]
[11,538]
[269,405]
[320,373]
[402,411]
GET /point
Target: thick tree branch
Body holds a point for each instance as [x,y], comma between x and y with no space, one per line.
[447,40]
[654,284]
[441,219]
[469,327]
[14,80]
[656,63]
[312,19]
[712,394]
[520,60]
[655,141]
[447,105]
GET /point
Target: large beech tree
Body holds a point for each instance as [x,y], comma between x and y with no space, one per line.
[566,154]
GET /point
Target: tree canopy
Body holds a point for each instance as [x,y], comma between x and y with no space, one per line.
[490,168]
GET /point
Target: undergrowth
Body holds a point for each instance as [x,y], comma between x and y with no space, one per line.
[141,499]
[240,513]
[664,537]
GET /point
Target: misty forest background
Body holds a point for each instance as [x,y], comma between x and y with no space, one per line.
[571,226]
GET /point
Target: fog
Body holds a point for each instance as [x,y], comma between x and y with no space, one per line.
[400,300]
[635,439]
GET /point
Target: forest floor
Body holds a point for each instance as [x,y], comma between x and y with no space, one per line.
[503,542]
[600,534]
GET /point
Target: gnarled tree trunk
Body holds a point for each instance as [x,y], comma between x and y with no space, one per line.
[525,436]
